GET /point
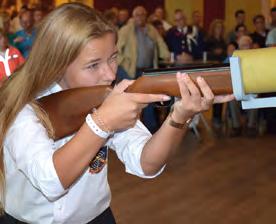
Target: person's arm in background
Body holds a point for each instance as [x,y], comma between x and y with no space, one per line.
[168,40]
[21,59]
[163,51]
[126,45]
[199,48]
[122,38]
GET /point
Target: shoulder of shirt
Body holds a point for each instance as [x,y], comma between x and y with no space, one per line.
[152,32]
[26,115]
[172,29]
[13,49]
[127,28]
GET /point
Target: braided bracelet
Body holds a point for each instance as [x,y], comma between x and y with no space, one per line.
[100,121]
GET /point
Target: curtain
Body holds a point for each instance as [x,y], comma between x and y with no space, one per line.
[213,9]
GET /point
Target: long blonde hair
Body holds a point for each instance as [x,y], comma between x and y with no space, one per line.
[212,28]
[60,38]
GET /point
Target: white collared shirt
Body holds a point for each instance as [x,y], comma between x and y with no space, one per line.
[34,193]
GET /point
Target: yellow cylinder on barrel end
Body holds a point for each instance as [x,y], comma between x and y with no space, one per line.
[258,69]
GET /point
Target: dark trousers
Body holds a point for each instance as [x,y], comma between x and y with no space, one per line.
[7,219]
[217,114]
[105,218]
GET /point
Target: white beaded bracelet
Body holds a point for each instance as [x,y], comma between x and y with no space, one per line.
[95,128]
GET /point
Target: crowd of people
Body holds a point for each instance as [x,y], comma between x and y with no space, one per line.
[17,34]
[141,47]
[149,40]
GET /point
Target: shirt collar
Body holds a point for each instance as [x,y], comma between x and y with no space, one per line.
[182,30]
[141,29]
[54,88]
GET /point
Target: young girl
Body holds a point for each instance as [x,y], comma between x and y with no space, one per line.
[65,181]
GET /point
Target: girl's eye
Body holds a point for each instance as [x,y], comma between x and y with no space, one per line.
[93,66]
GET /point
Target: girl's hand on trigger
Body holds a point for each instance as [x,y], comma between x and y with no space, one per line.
[120,110]
[192,102]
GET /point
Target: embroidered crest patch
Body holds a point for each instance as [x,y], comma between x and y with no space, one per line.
[99,161]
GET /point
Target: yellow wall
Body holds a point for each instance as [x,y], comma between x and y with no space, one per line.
[273,2]
[251,7]
[188,6]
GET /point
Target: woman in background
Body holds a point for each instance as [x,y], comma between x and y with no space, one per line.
[216,51]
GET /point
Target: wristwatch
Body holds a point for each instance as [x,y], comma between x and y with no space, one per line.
[179,125]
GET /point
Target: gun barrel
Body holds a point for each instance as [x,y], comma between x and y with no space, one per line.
[218,78]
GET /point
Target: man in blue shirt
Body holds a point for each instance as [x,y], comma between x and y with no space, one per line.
[24,38]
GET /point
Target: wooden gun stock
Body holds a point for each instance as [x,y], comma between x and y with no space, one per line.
[67,109]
